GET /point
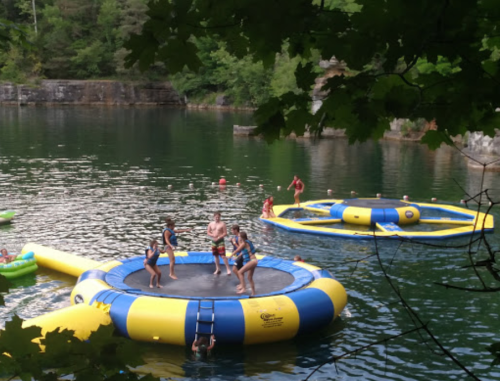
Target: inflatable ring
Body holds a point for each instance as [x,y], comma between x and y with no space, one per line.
[381,218]
[309,301]
[371,211]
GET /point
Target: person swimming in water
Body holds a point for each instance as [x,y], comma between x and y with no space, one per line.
[152,255]
[247,250]
[299,188]
[202,347]
[267,209]
[170,242]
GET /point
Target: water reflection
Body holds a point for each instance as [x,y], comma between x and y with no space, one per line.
[99,183]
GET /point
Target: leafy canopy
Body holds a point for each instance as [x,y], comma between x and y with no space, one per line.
[383,43]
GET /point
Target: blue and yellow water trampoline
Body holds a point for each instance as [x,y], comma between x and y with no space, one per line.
[366,218]
[292,298]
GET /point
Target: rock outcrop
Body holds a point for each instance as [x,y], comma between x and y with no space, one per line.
[73,92]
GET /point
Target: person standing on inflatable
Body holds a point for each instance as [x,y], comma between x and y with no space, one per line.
[217,230]
[299,188]
[170,242]
[152,255]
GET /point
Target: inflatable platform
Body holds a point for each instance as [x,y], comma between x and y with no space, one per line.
[367,218]
[292,298]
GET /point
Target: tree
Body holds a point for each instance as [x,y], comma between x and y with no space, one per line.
[380,41]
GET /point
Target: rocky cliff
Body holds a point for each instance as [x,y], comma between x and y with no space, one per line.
[72,92]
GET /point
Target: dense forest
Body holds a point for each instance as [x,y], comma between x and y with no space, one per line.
[82,39]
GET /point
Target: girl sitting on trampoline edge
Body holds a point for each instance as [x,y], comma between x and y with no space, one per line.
[152,255]
[267,209]
[247,251]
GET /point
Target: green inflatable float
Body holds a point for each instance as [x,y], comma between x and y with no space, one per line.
[23,264]
[6,216]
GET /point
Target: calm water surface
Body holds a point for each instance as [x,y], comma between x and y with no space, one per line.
[94,181]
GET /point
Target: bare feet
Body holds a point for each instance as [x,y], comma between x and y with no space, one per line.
[173,276]
[159,286]
[241,291]
[228,272]
[151,286]
[217,272]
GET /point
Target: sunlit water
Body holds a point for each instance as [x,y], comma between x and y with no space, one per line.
[94,181]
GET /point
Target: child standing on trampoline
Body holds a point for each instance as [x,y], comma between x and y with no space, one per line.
[247,251]
[217,230]
[170,242]
[299,188]
[152,255]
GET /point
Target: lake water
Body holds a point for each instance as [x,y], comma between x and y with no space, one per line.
[94,181]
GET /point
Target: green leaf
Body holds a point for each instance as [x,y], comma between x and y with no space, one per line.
[18,341]
[305,76]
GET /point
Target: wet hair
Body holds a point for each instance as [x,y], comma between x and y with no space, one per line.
[202,340]
[243,236]
[153,242]
[236,227]
[4,252]
[169,222]
[297,258]
[217,213]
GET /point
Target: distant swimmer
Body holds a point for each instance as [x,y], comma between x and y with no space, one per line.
[217,230]
[247,251]
[299,188]
[297,258]
[267,209]
[152,255]
[170,243]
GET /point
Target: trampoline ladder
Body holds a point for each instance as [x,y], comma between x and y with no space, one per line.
[205,318]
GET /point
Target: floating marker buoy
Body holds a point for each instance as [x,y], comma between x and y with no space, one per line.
[222,182]
[329,191]
[379,195]
[490,203]
[278,187]
[434,199]
[213,182]
[191,185]
[238,184]
[405,197]
[462,201]
[169,186]
[261,185]
[40,193]
[353,192]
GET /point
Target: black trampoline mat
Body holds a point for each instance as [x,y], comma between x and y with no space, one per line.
[199,280]
[375,203]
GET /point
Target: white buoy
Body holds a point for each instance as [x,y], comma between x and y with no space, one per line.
[278,187]
[490,203]
[462,201]
[238,184]
[191,185]
[434,199]
[261,185]
[406,198]
[329,191]
[379,195]
[169,186]
[213,182]
[40,193]
[353,192]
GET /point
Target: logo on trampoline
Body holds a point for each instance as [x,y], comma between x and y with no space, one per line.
[78,299]
[266,316]
[409,214]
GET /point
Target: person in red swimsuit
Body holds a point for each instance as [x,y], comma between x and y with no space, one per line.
[299,188]
[267,209]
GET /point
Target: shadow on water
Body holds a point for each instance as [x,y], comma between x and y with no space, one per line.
[297,356]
